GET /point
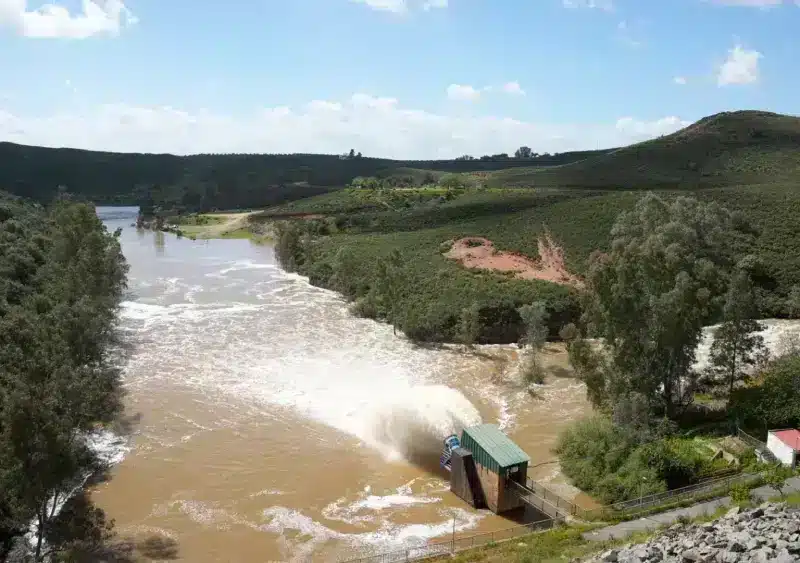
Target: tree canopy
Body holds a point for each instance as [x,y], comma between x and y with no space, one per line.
[651,295]
[61,281]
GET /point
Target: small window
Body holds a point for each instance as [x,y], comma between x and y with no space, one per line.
[514,469]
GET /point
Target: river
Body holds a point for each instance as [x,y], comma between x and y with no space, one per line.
[276,426]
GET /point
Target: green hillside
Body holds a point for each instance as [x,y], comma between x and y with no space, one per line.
[748,162]
[217,181]
[731,148]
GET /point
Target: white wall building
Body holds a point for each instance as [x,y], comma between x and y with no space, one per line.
[785,445]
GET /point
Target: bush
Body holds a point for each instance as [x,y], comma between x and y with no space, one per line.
[532,370]
[614,463]
[776,402]
[740,493]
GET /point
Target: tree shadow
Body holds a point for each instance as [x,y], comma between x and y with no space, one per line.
[81,533]
[158,547]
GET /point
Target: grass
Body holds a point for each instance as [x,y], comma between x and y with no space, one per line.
[735,148]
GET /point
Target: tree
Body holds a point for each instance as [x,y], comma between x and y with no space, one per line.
[793,302]
[351,154]
[57,377]
[775,403]
[389,284]
[590,368]
[651,295]
[776,477]
[534,318]
[736,345]
[523,153]
[469,325]
[289,249]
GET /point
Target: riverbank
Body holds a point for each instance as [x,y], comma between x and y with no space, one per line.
[225,463]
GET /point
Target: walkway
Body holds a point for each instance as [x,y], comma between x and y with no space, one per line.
[648,523]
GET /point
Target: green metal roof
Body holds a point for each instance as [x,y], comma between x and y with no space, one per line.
[496,444]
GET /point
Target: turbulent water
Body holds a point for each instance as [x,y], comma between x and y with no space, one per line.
[276,426]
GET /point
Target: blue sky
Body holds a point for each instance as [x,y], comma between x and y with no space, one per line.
[401,78]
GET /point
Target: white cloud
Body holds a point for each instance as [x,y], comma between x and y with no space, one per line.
[638,130]
[741,67]
[606,5]
[52,21]
[513,88]
[463,92]
[680,80]
[376,126]
[402,6]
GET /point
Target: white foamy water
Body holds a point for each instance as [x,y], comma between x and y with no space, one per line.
[222,321]
[777,334]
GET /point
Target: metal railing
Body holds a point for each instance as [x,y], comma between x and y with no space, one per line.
[562,505]
[531,498]
[676,495]
[757,444]
[456,544]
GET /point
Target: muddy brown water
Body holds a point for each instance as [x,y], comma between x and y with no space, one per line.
[276,426]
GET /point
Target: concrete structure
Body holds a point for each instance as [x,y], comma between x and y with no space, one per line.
[784,445]
[464,481]
[484,474]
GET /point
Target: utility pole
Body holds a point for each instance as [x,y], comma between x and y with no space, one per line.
[453,550]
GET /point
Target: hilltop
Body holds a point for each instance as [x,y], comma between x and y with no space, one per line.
[730,148]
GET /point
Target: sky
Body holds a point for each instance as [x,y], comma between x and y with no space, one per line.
[388,78]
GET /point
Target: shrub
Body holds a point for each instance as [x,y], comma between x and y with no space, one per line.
[532,370]
[740,493]
[614,463]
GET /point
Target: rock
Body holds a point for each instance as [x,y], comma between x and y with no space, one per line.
[729,557]
[732,512]
[610,556]
[770,532]
[737,547]
[784,556]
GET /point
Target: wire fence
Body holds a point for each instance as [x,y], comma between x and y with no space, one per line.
[554,505]
[456,544]
[756,444]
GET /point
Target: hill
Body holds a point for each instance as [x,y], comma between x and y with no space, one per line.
[216,181]
[726,149]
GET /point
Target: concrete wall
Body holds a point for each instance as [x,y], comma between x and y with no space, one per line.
[464,482]
[783,452]
[490,483]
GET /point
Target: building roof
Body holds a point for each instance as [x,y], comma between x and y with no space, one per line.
[499,446]
[789,437]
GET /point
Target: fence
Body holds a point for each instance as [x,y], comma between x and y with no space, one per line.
[456,544]
[757,444]
[561,504]
[630,507]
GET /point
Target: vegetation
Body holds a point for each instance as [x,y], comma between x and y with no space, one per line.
[651,295]
[737,346]
[534,318]
[613,462]
[61,281]
[775,401]
[210,182]
[726,149]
